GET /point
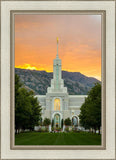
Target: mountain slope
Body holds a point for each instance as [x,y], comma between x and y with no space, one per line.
[38,81]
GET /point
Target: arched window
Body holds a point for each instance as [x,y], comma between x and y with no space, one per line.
[74,121]
[57,104]
[57,120]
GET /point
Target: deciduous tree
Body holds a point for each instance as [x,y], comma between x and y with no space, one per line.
[90,115]
[27,108]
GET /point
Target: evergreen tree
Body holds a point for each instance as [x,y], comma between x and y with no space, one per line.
[52,122]
[62,122]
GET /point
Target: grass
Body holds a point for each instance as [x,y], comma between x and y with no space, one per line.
[36,138]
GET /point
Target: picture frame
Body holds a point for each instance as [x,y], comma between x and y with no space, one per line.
[107,10]
[12,115]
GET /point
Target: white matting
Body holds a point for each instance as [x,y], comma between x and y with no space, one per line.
[110,80]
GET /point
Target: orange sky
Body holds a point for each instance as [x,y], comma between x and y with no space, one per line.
[79,42]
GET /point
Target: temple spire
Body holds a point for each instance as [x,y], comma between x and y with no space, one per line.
[57,49]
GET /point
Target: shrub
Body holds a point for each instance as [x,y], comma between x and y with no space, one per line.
[67,122]
[46,122]
[67,129]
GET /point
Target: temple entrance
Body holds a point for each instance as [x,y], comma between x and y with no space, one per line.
[74,121]
[57,120]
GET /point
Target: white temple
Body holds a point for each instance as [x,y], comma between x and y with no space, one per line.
[57,104]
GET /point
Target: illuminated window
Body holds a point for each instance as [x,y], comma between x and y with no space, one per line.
[57,104]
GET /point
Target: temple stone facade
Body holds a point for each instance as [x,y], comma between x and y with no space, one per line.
[57,104]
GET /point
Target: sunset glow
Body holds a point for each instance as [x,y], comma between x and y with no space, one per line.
[27,66]
[79,42]
[30,67]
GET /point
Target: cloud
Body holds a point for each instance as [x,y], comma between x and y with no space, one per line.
[79,41]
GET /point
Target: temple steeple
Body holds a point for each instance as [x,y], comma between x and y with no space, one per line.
[57,49]
[57,83]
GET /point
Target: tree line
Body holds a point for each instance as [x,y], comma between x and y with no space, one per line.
[27,108]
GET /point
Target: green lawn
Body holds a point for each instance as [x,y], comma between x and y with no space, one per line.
[36,138]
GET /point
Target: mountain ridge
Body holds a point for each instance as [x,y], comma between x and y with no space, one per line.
[76,82]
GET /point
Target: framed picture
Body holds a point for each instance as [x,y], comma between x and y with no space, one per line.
[58,80]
